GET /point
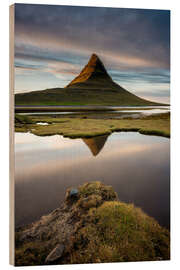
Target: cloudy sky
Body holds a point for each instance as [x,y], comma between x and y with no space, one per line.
[53,43]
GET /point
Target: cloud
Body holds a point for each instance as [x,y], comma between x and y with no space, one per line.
[149,76]
[53,43]
[140,35]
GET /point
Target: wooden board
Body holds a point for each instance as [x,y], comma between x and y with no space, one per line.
[11,132]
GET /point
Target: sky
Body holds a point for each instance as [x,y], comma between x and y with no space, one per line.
[53,43]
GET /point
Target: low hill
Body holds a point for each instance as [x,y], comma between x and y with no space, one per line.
[93,86]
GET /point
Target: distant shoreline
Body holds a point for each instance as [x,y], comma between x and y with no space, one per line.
[71,108]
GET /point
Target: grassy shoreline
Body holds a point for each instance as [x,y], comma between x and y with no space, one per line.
[85,128]
[88,108]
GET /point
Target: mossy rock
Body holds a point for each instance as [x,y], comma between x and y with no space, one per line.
[90,202]
[97,188]
[94,226]
[120,232]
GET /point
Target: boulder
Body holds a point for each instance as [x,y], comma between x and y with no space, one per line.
[73,192]
[55,254]
[72,195]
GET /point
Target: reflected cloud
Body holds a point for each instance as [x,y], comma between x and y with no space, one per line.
[137,166]
[30,142]
[46,155]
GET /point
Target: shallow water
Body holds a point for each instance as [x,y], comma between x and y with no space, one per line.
[89,107]
[125,111]
[136,165]
[42,124]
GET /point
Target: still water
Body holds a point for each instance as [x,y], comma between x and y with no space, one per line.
[124,111]
[137,166]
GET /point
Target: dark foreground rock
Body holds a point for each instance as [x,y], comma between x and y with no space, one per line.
[92,225]
[55,254]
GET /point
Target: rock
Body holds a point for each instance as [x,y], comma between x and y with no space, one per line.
[55,254]
[72,195]
[73,192]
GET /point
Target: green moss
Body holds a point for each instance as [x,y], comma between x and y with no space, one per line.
[117,232]
[97,188]
[33,252]
[91,201]
[95,227]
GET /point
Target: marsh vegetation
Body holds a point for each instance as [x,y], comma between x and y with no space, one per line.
[89,127]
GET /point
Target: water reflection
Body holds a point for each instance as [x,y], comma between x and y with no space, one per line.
[137,166]
[96,144]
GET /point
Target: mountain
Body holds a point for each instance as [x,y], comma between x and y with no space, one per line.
[93,86]
[92,75]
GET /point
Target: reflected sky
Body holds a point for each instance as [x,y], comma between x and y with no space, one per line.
[137,166]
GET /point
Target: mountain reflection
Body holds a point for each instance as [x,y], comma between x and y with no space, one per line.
[96,144]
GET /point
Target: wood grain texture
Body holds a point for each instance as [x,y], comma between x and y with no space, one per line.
[11,134]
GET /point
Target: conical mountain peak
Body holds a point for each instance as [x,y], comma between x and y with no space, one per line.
[93,71]
[94,59]
[95,64]
[94,56]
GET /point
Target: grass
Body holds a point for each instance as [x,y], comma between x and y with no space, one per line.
[22,123]
[81,96]
[120,232]
[96,227]
[48,103]
[22,119]
[86,128]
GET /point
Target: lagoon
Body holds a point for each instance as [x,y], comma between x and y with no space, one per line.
[136,165]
